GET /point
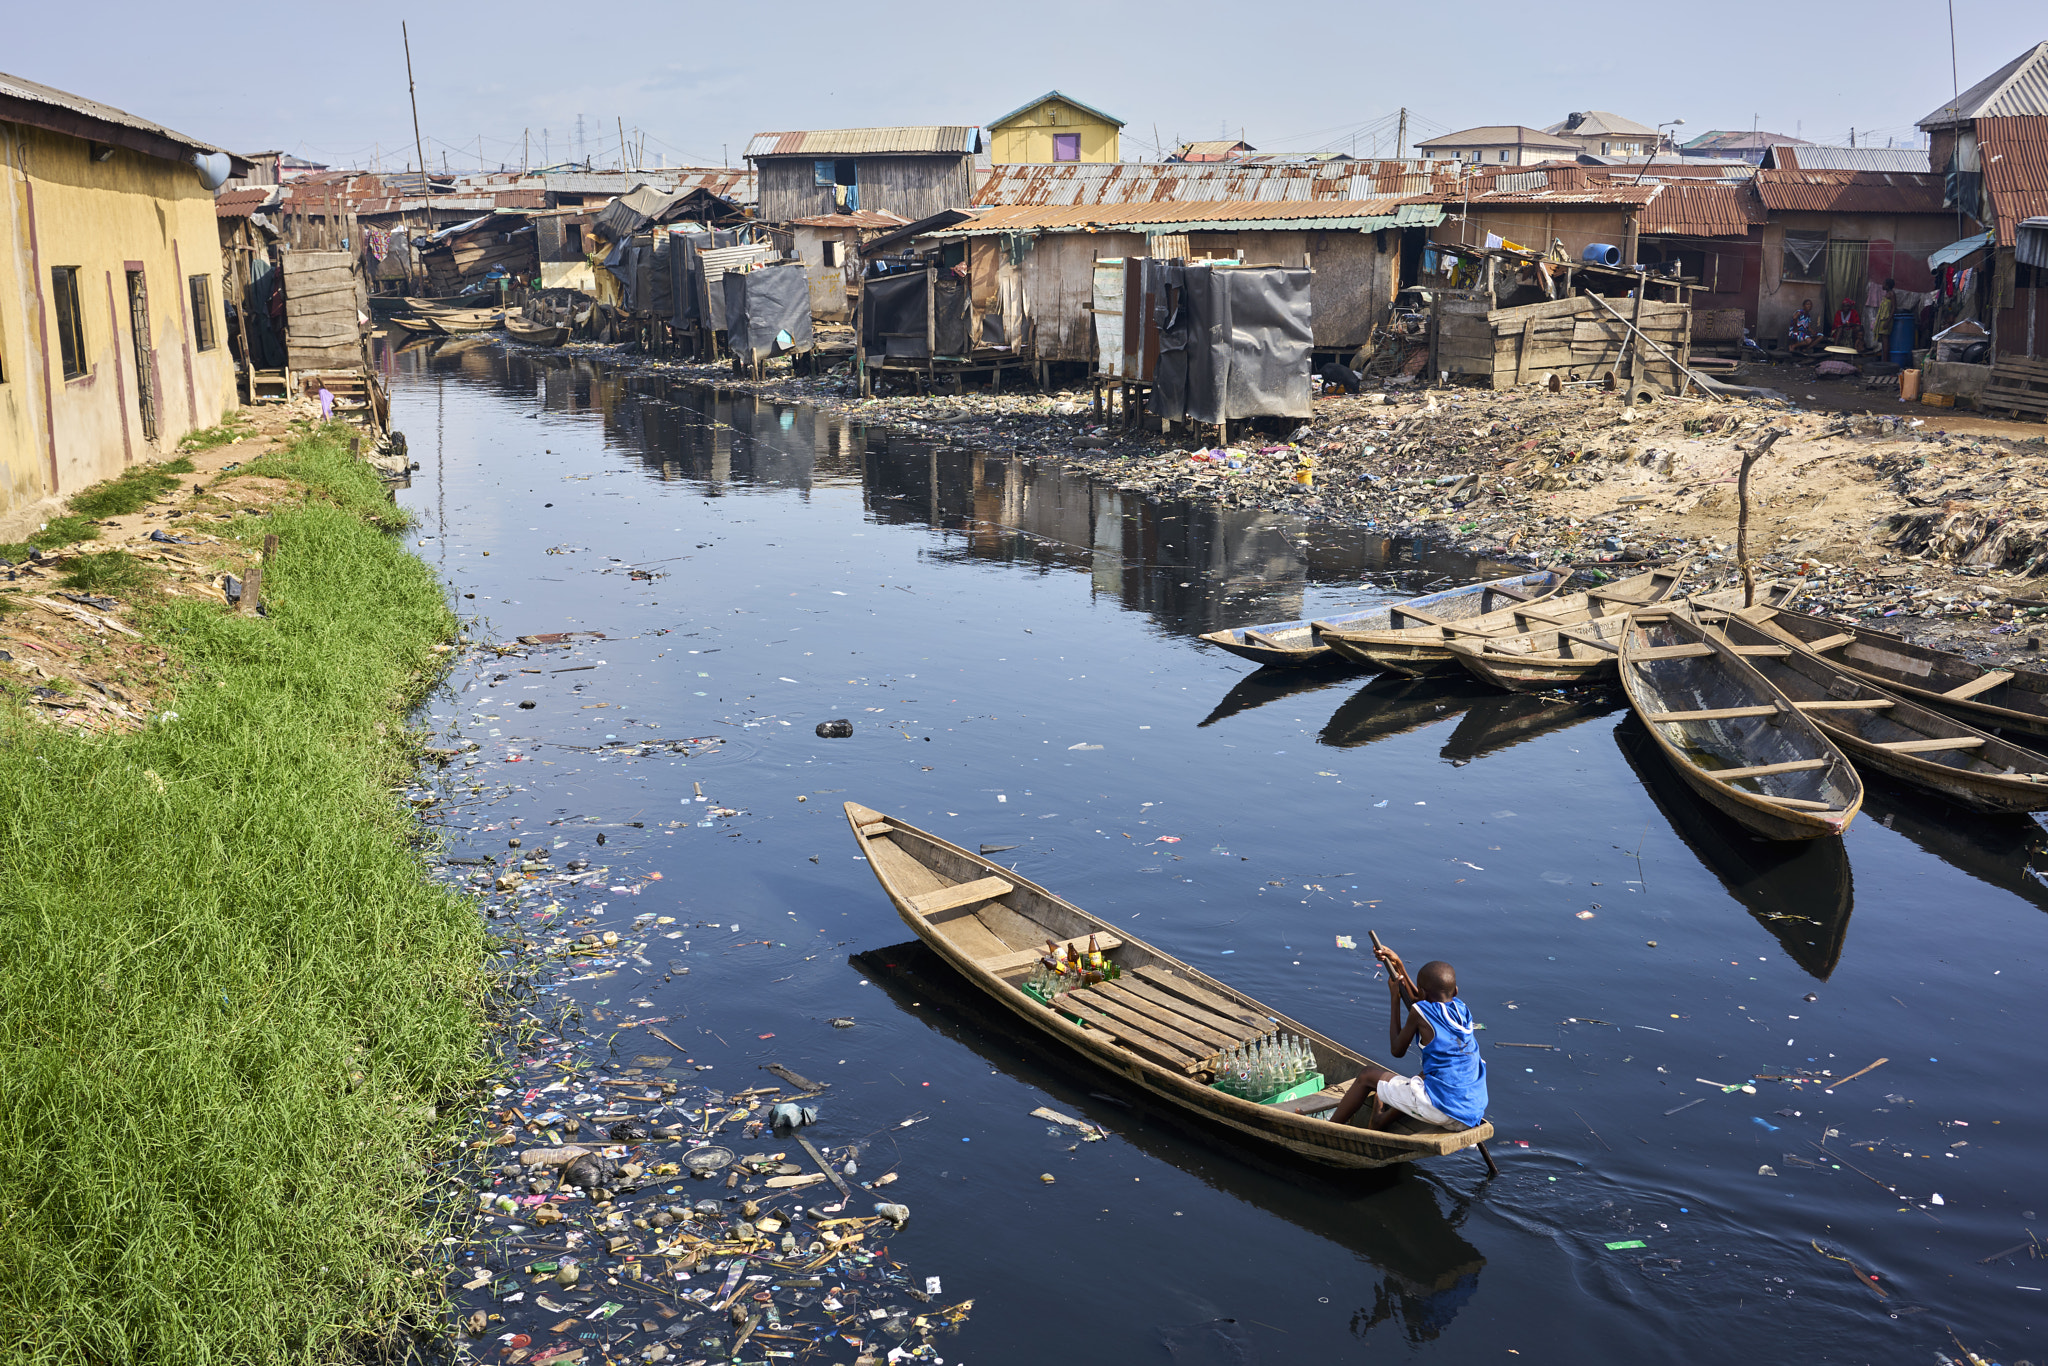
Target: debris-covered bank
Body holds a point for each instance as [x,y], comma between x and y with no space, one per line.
[232,1007]
[1932,521]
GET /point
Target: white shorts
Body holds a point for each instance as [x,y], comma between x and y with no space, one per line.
[1406,1095]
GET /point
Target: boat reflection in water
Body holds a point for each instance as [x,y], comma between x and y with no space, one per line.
[1393,1218]
[1261,686]
[1798,890]
[1506,719]
[1393,704]
[2008,852]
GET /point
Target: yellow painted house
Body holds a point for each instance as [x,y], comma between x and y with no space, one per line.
[113,334]
[1054,127]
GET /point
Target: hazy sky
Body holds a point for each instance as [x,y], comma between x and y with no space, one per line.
[697,80]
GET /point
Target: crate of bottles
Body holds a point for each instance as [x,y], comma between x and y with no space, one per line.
[1278,1067]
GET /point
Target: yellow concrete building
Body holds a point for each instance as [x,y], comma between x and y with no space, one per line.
[1054,127]
[113,334]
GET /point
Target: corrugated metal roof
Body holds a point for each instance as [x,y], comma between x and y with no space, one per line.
[31,92]
[2019,87]
[1053,95]
[1703,209]
[2014,154]
[1812,157]
[1222,182]
[1849,191]
[241,203]
[1365,215]
[854,142]
[872,219]
[1598,123]
[1499,134]
[1956,251]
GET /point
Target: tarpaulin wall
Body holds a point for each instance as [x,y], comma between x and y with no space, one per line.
[762,304]
[1234,342]
[893,316]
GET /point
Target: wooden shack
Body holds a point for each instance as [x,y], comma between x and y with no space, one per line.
[456,258]
[910,172]
[1580,338]
[326,300]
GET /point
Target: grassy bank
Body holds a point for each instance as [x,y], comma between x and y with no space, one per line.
[227,994]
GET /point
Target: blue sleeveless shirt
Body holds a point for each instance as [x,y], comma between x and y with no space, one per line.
[1453,1073]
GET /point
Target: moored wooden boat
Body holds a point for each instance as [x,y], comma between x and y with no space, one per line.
[1730,735]
[1571,656]
[454,324]
[535,334]
[1420,642]
[1896,735]
[1158,1026]
[1290,644]
[453,303]
[413,324]
[2003,699]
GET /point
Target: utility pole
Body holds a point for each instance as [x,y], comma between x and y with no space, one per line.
[525,151]
[1852,137]
[1401,138]
[622,141]
[418,145]
[479,153]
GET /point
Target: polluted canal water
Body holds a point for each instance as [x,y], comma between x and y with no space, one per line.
[639,797]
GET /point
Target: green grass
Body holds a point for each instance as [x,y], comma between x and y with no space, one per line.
[130,491]
[112,572]
[208,437]
[226,988]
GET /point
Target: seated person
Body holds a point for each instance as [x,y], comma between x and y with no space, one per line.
[1848,325]
[1450,1093]
[1803,336]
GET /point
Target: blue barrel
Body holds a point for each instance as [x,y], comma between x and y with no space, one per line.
[1901,345]
[1601,254]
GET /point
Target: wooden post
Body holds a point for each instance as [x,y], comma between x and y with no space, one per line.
[269,547]
[1749,458]
[1634,342]
[931,324]
[252,591]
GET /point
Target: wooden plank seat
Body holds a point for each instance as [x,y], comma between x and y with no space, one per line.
[1759,770]
[1932,746]
[1125,1014]
[869,831]
[1714,714]
[1002,965]
[1826,643]
[1693,651]
[964,894]
[1976,685]
[1127,1034]
[1848,704]
[1213,1040]
[1325,1099]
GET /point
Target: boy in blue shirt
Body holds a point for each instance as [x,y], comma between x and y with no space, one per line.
[1450,1093]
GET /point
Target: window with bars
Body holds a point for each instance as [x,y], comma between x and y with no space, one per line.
[70,322]
[203,336]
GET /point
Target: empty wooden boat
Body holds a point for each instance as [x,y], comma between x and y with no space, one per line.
[1421,641]
[1894,734]
[453,303]
[535,334]
[454,324]
[2004,699]
[412,324]
[1290,644]
[1730,735]
[1159,1026]
[1572,656]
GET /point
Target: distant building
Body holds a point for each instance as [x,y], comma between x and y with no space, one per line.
[1601,134]
[263,168]
[1500,145]
[290,168]
[1054,127]
[1806,156]
[1211,151]
[1737,145]
[910,172]
[113,337]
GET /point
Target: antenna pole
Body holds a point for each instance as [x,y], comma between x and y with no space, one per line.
[417,144]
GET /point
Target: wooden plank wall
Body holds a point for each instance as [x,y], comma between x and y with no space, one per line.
[323,291]
[1574,338]
[911,187]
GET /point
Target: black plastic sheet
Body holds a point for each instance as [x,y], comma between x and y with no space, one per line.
[893,316]
[765,304]
[1234,342]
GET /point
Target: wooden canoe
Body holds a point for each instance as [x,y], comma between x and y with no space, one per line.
[2003,699]
[454,324]
[1571,656]
[1290,644]
[1730,735]
[413,324]
[454,303]
[1420,642]
[535,334]
[1800,891]
[1896,735]
[1157,1027]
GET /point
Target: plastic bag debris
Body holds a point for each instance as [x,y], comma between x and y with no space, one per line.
[790,1115]
[835,730]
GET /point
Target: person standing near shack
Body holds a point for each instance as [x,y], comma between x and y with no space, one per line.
[1450,1092]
